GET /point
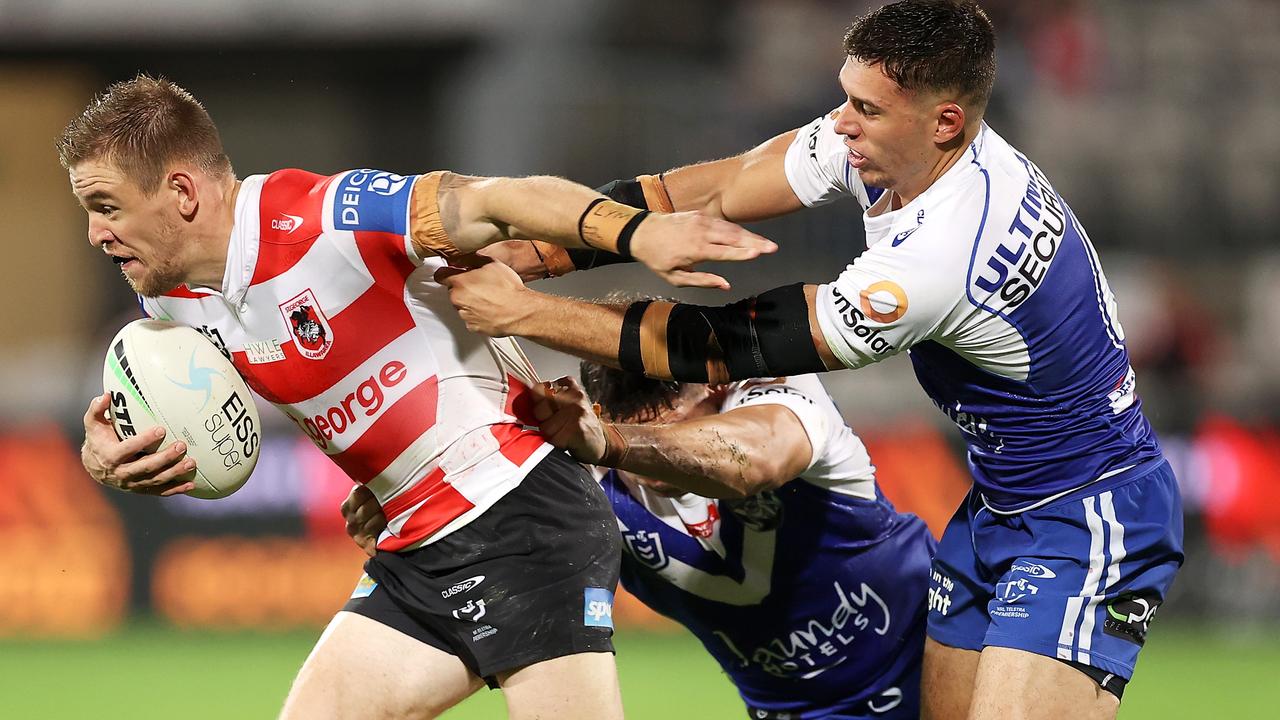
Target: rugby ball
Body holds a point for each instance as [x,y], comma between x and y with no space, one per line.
[162,373]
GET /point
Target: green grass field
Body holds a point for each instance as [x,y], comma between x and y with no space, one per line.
[153,672]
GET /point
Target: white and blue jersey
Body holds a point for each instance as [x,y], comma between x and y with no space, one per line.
[991,284]
[812,596]
[1072,534]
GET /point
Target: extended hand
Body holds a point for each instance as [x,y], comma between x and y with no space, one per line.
[567,420]
[365,519]
[488,297]
[128,464]
[671,245]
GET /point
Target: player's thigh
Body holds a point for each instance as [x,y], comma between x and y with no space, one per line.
[361,668]
[946,682]
[582,686]
[1018,684]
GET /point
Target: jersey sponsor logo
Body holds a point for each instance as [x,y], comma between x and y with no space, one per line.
[819,643]
[755,391]
[1125,392]
[365,587]
[368,397]
[463,586]
[597,607]
[1033,569]
[902,236]
[263,351]
[856,322]
[646,547]
[373,200]
[886,700]
[940,589]
[705,528]
[1014,590]
[1129,615]
[471,612]
[974,425]
[884,301]
[1019,263]
[308,325]
[287,223]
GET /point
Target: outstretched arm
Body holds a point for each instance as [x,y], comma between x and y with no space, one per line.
[774,334]
[453,215]
[734,454]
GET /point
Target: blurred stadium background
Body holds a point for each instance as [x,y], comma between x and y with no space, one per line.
[1157,120]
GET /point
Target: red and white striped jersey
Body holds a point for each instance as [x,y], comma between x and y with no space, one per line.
[330,314]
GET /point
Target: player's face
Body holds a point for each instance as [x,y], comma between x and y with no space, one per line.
[139,232]
[889,131]
[694,402]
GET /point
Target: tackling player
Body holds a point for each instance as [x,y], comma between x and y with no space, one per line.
[802,581]
[1049,574]
[319,289]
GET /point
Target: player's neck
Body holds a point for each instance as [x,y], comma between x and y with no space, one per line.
[942,163]
[213,244]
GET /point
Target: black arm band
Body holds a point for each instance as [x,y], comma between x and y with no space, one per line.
[629,356]
[764,336]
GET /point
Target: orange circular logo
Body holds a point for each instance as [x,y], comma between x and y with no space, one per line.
[884,301]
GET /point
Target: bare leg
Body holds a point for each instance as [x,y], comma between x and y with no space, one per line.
[574,687]
[946,683]
[361,668]
[1018,685]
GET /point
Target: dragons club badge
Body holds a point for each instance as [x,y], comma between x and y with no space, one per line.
[308,325]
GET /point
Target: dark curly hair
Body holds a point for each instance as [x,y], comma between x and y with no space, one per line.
[938,45]
[624,395]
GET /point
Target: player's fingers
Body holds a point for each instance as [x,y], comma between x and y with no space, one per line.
[97,412]
[687,278]
[115,452]
[727,253]
[155,469]
[176,489]
[726,233]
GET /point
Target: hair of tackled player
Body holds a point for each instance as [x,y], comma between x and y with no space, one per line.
[624,395]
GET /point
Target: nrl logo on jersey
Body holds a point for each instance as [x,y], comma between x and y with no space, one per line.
[647,548]
[308,325]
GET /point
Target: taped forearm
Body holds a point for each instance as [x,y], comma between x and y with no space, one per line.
[766,336]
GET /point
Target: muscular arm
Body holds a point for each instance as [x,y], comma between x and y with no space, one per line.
[453,215]
[744,188]
[731,455]
[758,337]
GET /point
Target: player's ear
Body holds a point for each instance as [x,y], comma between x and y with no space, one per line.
[185,191]
[950,119]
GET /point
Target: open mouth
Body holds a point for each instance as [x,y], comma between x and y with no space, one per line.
[124,261]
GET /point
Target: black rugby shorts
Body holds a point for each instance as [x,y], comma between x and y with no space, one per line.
[529,580]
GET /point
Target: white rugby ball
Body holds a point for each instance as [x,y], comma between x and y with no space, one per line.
[162,373]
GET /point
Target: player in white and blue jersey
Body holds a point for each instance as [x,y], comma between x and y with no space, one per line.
[1048,576]
[802,580]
